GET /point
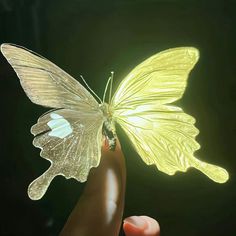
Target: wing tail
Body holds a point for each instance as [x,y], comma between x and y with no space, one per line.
[40,185]
[216,173]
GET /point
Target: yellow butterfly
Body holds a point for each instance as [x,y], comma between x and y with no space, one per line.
[70,136]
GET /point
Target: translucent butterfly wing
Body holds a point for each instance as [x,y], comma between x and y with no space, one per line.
[161,78]
[70,138]
[44,82]
[162,134]
[165,136]
[71,141]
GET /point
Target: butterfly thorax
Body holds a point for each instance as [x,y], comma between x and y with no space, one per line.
[108,126]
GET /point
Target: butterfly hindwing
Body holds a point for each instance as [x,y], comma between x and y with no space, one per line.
[162,134]
[165,136]
[71,141]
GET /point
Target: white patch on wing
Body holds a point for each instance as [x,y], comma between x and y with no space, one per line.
[111,194]
[60,127]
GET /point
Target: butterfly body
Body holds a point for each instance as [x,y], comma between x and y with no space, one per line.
[70,136]
[108,126]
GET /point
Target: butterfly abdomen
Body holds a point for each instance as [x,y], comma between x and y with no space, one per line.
[109,135]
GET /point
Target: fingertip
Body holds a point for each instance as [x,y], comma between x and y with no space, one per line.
[141,226]
[134,225]
[153,228]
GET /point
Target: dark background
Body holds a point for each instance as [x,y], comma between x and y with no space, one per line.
[92,38]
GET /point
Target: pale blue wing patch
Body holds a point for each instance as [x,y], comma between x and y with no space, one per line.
[60,127]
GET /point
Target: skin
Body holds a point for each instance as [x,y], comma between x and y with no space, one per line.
[105,188]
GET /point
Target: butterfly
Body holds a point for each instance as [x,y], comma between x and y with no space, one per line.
[70,136]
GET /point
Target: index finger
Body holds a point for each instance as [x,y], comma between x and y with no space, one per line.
[100,208]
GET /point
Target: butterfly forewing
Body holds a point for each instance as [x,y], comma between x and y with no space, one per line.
[161,78]
[71,141]
[44,82]
[162,134]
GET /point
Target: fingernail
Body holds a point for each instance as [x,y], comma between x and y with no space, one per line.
[136,222]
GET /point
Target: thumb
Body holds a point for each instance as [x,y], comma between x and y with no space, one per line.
[141,226]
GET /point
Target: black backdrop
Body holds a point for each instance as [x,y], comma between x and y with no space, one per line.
[92,38]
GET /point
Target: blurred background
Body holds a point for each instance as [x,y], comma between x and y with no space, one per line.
[92,38]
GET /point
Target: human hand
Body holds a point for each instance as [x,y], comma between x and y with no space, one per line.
[99,210]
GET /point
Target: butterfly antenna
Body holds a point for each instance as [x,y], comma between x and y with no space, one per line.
[111,83]
[90,89]
[105,91]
